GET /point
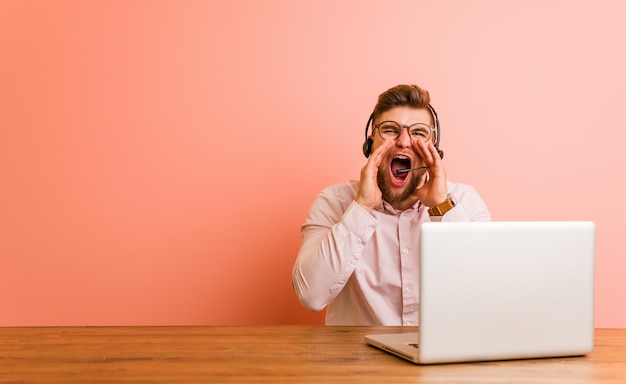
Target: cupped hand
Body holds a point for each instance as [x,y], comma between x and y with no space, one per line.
[434,191]
[369,195]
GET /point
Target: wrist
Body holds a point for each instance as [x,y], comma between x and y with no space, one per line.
[362,205]
[443,207]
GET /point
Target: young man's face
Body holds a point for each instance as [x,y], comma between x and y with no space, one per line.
[399,187]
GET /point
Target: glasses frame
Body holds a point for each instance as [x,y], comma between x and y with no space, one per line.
[408,128]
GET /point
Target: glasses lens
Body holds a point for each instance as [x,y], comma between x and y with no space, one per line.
[389,130]
[419,131]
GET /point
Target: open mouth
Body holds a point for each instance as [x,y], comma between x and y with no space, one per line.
[398,163]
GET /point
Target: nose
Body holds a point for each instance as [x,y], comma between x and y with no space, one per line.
[404,140]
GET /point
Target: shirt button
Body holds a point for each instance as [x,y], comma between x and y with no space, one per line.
[405,251]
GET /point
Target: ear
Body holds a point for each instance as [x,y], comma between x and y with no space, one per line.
[435,139]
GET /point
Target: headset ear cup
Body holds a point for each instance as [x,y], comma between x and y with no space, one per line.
[367,147]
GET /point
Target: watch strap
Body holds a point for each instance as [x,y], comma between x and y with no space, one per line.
[441,209]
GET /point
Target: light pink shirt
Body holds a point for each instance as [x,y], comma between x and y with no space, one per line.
[364,266]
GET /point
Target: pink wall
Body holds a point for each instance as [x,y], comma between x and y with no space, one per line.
[158,157]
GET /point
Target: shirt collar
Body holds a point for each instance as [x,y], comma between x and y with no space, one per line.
[385,207]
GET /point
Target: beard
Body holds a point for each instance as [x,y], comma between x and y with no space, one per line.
[415,181]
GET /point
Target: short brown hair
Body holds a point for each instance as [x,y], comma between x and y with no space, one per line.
[402,95]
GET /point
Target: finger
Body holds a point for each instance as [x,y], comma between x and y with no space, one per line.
[434,153]
[423,151]
[379,154]
[370,170]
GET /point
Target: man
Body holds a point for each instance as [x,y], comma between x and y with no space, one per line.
[360,248]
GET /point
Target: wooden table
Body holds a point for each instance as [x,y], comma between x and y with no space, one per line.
[267,354]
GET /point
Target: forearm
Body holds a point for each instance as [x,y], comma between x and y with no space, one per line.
[328,256]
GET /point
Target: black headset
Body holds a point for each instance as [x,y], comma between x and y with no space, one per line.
[367,145]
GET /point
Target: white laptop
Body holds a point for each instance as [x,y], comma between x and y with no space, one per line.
[500,291]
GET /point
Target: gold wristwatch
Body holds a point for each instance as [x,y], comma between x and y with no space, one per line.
[441,209]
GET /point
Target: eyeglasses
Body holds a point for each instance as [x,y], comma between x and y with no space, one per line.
[392,130]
